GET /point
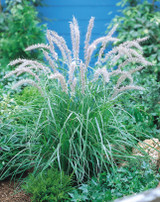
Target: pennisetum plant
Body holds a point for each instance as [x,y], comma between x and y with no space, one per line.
[85,130]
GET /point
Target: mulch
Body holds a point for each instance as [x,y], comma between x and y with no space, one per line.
[10,192]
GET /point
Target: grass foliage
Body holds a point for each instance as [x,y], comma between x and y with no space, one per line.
[85,135]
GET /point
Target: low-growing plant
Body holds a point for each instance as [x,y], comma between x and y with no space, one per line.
[52,185]
[80,123]
[135,177]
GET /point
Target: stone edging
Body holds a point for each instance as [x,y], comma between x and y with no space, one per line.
[152,195]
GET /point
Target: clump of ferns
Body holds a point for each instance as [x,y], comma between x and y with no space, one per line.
[129,52]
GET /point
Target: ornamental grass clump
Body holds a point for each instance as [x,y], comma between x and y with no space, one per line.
[80,122]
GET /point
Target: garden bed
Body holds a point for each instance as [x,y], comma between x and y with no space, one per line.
[83,130]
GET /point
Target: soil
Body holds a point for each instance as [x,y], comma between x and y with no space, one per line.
[10,192]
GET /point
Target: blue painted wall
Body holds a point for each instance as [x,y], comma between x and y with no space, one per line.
[60,12]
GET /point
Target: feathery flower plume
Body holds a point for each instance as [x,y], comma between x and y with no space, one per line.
[125,49]
[72,37]
[32,63]
[134,60]
[27,81]
[88,35]
[135,44]
[17,61]
[10,74]
[82,73]
[51,46]
[73,86]
[21,70]
[139,40]
[45,46]
[124,88]
[130,52]
[104,43]
[75,36]
[61,78]
[71,71]
[94,44]
[51,62]
[102,72]
[61,44]
[112,31]
[24,70]
[123,77]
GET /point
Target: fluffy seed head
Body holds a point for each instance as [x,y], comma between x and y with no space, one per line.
[129,52]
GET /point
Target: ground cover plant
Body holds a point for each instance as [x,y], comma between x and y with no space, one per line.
[75,119]
[137,176]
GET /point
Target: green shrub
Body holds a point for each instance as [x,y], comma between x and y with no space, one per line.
[34,2]
[50,186]
[135,177]
[19,28]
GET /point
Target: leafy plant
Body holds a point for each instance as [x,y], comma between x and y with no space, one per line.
[11,3]
[19,28]
[136,22]
[135,177]
[79,122]
[133,3]
[52,185]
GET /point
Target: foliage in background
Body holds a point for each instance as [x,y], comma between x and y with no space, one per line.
[135,177]
[140,20]
[143,120]
[133,3]
[52,185]
[11,3]
[19,28]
